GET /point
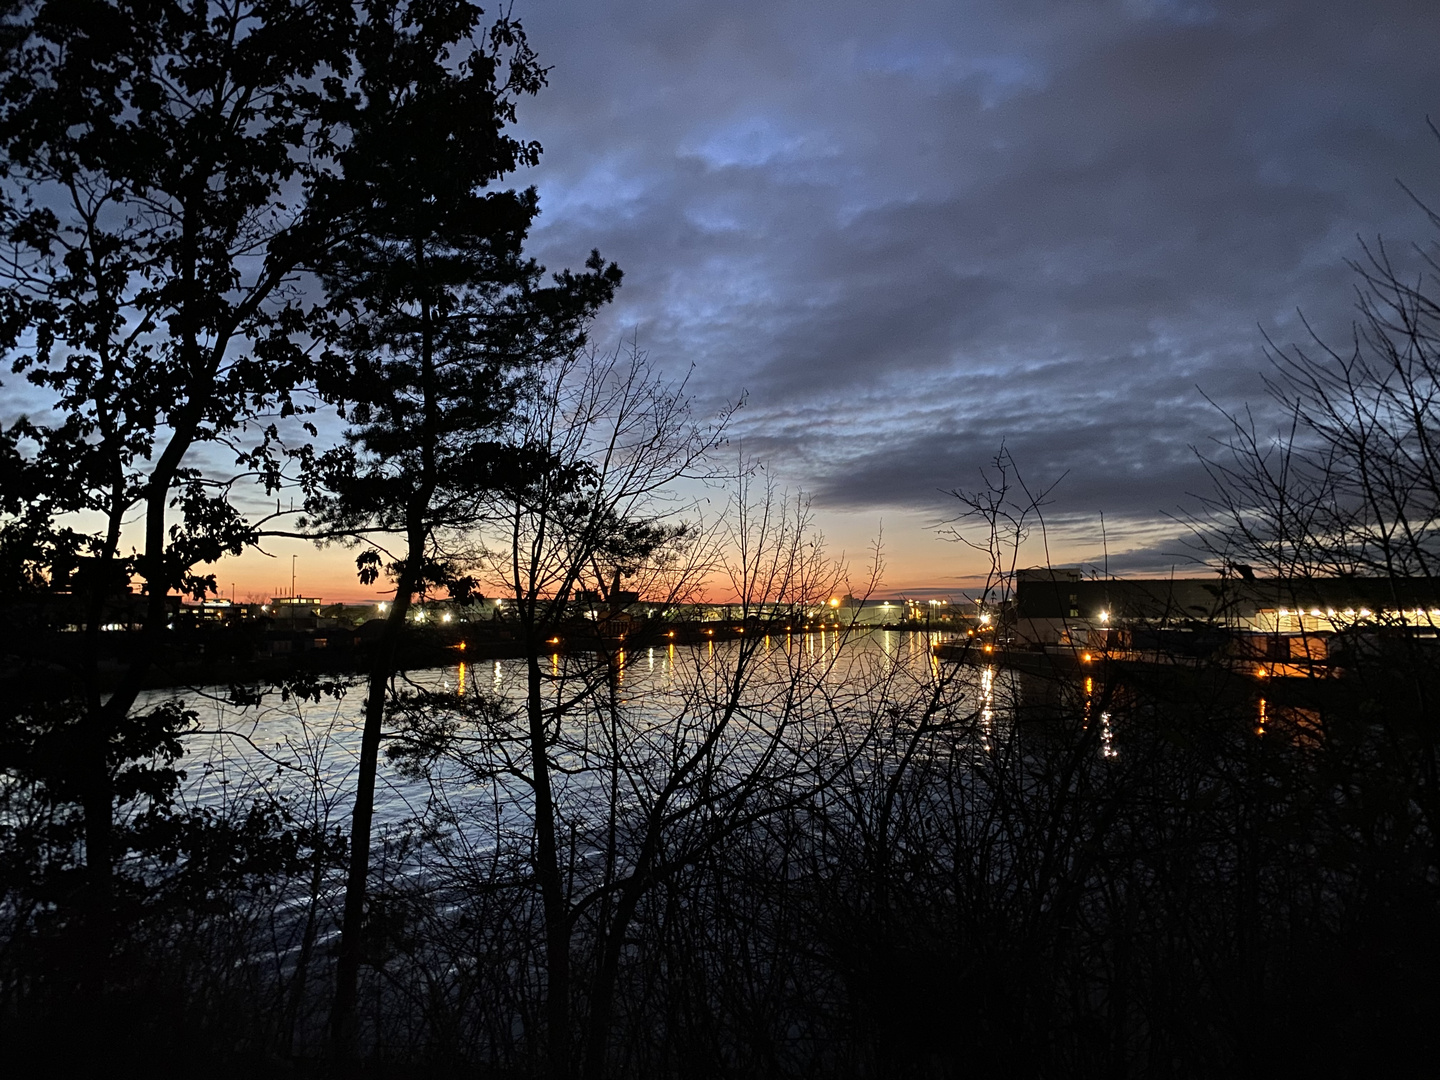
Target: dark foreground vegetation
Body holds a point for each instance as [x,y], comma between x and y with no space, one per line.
[923,880]
[228,223]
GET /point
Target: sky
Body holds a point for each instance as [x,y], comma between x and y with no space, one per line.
[910,234]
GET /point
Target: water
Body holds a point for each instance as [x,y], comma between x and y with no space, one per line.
[669,732]
[646,712]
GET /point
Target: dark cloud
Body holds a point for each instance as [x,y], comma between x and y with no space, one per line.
[911,231]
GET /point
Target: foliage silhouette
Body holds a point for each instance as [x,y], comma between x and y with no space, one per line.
[442,315]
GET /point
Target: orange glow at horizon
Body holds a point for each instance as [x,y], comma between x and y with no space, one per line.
[915,559]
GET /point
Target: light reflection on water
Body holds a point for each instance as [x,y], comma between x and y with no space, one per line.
[309,750]
[987,706]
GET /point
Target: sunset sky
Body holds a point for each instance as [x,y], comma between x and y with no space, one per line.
[909,233]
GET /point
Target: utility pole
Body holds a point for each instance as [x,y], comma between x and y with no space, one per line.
[292,575]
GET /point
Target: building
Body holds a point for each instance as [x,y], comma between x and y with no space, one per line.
[1056,606]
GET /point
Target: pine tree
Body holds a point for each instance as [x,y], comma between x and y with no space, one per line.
[445,317]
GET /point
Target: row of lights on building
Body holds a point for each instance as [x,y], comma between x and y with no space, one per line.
[1330,613]
[1364,613]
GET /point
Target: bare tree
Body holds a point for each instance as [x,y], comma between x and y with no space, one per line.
[1351,486]
[998,519]
[616,775]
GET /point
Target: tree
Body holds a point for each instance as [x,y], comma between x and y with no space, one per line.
[620,788]
[614,438]
[160,162]
[1352,487]
[1349,488]
[444,318]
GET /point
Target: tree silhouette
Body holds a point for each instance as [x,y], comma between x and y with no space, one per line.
[159,165]
[443,315]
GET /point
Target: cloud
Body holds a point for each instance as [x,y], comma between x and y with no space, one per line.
[912,232]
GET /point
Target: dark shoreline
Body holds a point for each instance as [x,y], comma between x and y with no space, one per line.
[229,659]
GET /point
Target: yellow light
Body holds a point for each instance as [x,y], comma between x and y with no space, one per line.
[1086,658]
[1104,616]
[834,602]
[991,648]
[462,646]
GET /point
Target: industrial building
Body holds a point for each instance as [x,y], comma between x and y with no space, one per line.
[1307,620]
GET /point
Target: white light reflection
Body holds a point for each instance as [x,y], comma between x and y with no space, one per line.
[987,706]
[1107,737]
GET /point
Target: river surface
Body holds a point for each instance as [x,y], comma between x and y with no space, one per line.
[307,751]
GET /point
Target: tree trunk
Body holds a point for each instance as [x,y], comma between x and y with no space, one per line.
[344,1021]
[344,1026]
[99,721]
[602,1000]
[547,873]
